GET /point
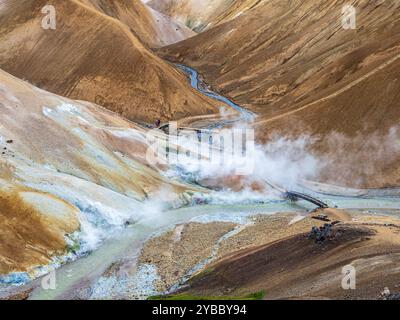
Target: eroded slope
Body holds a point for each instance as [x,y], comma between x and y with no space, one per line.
[94,57]
[294,64]
[71,169]
[151,27]
[205,14]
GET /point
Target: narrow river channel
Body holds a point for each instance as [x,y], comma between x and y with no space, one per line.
[83,273]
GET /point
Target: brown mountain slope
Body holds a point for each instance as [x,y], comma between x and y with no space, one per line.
[93,57]
[205,14]
[294,64]
[62,162]
[151,27]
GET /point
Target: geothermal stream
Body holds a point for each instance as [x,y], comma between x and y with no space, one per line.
[195,82]
[83,277]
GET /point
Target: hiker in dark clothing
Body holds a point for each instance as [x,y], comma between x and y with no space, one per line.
[158,123]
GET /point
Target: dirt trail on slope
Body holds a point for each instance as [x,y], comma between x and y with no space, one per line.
[335,94]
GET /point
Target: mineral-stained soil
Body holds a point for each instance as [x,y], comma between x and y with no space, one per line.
[275,255]
[266,229]
[176,252]
[294,64]
[95,55]
[204,14]
[29,237]
[57,155]
[297,267]
[153,28]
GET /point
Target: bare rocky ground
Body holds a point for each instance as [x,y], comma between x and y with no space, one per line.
[177,251]
[292,64]
[277,255]
[288,61]
[112,66]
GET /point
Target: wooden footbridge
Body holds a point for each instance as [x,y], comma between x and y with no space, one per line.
[296,196]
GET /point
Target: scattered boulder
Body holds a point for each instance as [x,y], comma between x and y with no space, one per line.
[320,235]
[387,295]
